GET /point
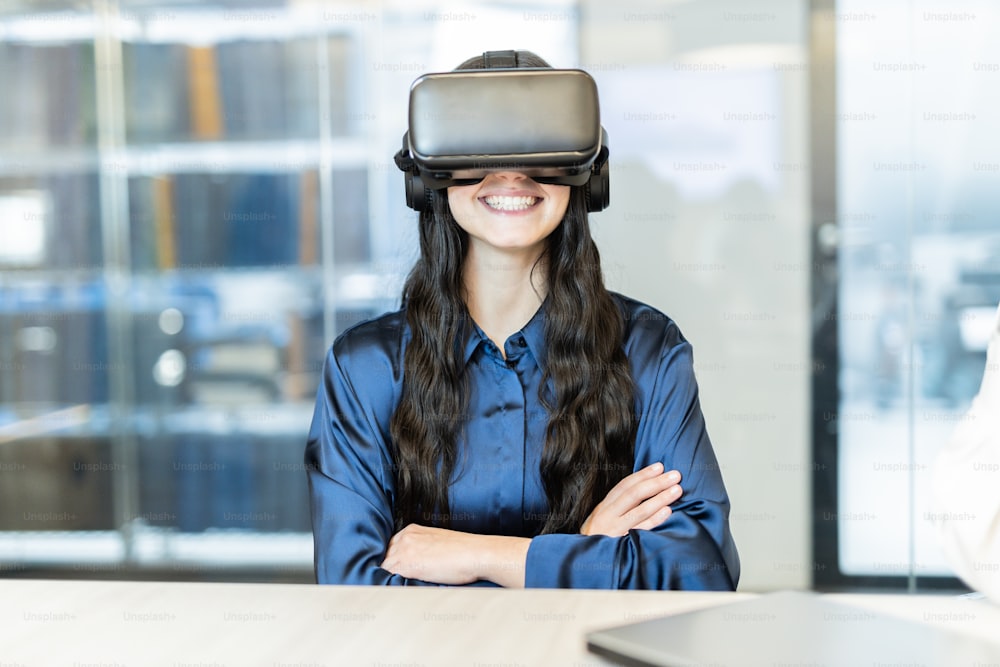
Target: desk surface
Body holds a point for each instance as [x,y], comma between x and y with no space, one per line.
[150,623]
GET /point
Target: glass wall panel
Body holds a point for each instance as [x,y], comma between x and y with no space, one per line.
[159,366]
[919,251]
[194,200]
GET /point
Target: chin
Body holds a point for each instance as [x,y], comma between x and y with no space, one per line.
[514,243]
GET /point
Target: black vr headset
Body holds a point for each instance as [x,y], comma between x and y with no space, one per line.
[542,122]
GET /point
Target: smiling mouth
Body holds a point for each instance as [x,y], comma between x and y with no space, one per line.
[503,203]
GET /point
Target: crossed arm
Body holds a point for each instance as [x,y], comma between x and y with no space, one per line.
[646,534]
[640,501]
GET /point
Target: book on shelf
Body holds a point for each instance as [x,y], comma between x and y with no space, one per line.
[71,91]
[351,240]
[252,89]
[48,97]
[239,90]
[261,220]
[211,221]
[199,481]
[309,238]
[75,232]
[203,91]
[301,89]
[142,224]
[163,222]
[156,93]
[201,236]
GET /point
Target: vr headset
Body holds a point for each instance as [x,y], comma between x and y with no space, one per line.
[466,124]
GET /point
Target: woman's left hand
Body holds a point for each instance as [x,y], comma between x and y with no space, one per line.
[452,557]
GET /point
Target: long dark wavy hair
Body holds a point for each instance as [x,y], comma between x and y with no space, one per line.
[590,438]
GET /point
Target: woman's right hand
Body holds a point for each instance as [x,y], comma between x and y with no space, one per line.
[640,501]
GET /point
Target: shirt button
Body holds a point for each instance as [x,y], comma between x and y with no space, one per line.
[520,342]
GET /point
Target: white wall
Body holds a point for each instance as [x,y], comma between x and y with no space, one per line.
[706,104]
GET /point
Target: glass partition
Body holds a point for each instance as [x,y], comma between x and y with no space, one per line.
[195,199]
[185,189]
[918,276]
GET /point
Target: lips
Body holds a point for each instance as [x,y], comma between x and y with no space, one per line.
[510,203]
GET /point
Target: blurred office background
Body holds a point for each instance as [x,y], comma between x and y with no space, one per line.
[197,197]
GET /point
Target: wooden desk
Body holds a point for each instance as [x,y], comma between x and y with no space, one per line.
[150,623]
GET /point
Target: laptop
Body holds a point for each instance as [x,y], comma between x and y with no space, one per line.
[788,628]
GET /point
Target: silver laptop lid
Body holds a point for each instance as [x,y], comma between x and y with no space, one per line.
[789,628]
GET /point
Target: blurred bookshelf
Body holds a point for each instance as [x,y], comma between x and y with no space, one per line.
[185,206]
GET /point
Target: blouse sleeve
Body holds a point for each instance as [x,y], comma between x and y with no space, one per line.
[350,480]
[693,549]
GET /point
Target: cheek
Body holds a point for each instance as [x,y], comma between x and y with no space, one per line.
[460,205]
[560,202]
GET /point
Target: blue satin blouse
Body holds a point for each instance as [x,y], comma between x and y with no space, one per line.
[497,488]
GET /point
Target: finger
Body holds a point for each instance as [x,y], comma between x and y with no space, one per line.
[393,546]
[649,472]
[642,491]
[396,553]
[655,520]
[654,504]
[388,563]
[619,518]
[390,552]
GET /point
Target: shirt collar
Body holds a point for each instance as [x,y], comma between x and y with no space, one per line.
[533,332]
[473,338]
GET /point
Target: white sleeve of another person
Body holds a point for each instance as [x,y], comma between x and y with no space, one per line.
[966,485]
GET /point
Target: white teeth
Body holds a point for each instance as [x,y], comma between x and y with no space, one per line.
[509,203]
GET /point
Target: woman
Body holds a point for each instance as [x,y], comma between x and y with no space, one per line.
[515,423]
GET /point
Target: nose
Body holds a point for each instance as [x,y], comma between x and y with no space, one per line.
[510,176]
